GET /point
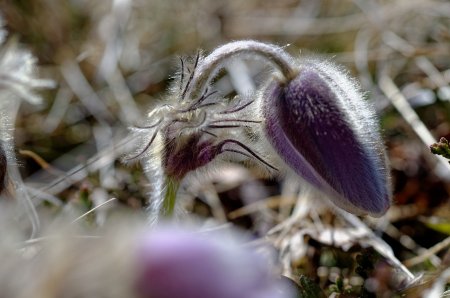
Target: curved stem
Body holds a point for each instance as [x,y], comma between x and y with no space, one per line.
[170,196]
[213,62]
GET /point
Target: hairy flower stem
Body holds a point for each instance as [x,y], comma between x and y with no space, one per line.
[170,196]
[11,108]
[214,61]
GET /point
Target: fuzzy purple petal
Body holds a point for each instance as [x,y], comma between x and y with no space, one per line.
[191,155]
[179,264]
[308,123]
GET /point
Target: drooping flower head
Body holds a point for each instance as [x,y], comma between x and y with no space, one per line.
[322,127]
[319,122]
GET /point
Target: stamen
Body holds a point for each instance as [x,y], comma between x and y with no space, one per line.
[223,143]
[236,120]
[208,132]
[146,147]
[237,151]
[223,126]
[182,74]
[197,105]
[149,126]
[191,76]
[203,97]
[237,109]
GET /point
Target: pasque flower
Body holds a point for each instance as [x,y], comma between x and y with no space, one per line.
[314,116]
[191,129]
[320,124]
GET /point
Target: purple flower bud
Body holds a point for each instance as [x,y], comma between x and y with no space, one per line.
[323,129]
[193,154]
[182,264]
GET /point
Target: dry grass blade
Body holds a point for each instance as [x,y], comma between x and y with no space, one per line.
[391,91]
[93,209]
[427,254]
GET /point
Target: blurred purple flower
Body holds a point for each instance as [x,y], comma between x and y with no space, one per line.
[322,127]
[181,264]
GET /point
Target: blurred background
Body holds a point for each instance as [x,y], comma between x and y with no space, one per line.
[112,59]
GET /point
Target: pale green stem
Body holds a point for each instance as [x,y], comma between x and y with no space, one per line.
[170,196]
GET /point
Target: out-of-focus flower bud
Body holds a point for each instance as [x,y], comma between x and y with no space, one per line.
[321,126]
[177,263]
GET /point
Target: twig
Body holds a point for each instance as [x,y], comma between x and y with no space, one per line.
[271,202]
[379,244]
[41,162]
[428,253]
[407,112]
[96,162]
